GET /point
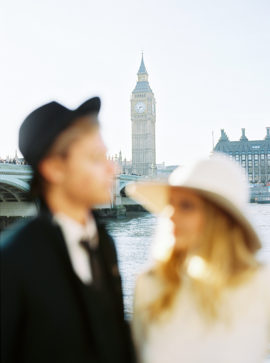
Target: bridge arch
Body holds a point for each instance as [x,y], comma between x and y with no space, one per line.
[13,190]
[122,181]
[123,192]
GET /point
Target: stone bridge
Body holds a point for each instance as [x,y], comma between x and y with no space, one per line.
[15,185]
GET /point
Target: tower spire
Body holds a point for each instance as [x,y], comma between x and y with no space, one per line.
[142,69]
[243,137]
[267,137]
[223,136]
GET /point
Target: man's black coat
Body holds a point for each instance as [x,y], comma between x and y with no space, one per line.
[45,316]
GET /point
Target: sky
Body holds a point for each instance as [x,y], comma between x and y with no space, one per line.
[208,63]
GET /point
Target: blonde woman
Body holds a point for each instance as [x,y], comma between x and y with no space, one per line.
[206,297]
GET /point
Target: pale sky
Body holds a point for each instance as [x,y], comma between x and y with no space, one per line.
[208,63]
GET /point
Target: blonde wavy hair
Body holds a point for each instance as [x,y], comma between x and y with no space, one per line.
[227,253]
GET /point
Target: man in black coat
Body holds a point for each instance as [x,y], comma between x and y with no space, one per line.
[61,294]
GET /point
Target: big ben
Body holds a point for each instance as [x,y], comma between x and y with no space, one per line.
[143,118]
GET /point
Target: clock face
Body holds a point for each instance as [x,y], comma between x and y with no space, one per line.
[140,107]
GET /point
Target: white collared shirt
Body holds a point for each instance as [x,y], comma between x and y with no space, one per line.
[73,233]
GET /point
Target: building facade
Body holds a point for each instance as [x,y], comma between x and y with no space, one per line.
[143,118]
[253,155]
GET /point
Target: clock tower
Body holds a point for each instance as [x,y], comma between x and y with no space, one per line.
[143,118]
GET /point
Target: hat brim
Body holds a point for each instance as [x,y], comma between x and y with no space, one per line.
[154,196]
[89,107]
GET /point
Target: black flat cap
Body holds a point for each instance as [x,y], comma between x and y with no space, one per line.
[40,129]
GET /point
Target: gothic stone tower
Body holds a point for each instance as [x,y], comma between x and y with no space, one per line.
[143,118]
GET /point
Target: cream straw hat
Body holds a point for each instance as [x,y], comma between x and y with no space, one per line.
[218,179]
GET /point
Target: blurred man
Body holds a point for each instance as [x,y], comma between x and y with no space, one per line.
[61,289]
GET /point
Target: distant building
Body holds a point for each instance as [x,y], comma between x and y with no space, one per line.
[253,155]
[163,171]
[143,118]
[122,166]
[13,160]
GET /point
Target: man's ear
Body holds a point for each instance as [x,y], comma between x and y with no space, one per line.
[52,169]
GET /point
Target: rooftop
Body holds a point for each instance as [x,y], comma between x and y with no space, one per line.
[243,145]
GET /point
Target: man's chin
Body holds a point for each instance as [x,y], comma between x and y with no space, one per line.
[103,201]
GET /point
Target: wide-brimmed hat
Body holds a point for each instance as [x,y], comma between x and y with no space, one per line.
[218,179]
[42,126]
